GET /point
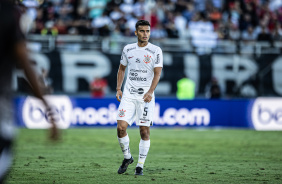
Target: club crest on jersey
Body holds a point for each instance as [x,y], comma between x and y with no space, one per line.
[147,59]
[121,113]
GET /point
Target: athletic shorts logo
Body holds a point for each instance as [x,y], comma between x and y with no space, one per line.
[147,59]
[121,113]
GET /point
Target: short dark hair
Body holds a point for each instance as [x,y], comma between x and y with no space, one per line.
[142,23]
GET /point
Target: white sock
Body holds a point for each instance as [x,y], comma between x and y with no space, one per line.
[144,147]
[124,145]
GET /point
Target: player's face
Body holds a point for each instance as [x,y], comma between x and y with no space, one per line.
[143,33]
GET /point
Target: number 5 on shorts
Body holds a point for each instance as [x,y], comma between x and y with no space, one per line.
[145,111]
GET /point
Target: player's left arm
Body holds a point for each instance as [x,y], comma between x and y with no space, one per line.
[157,74]
[23,62]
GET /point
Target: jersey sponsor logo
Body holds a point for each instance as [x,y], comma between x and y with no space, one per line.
[130,57]
[133,90]
[137,79]
[143,71]
[147,59]
[131,49]
[137,60]
[140,91]
[149,50]
[133,74]
[121,113]
[158,59]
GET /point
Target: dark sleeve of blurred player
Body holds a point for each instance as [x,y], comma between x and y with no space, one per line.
[13,52]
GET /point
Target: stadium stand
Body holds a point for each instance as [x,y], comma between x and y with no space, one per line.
[229,20]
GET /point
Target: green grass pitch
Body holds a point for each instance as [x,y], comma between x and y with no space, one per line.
[93,155]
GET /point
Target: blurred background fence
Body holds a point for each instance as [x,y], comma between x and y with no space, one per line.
[242,69]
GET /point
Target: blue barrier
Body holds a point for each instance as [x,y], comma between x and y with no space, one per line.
[261,113]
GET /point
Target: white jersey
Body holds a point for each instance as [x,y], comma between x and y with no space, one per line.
[140,62]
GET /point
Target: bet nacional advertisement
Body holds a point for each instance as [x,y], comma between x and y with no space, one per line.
[258,114]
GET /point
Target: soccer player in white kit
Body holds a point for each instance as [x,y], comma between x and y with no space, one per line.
[145,62]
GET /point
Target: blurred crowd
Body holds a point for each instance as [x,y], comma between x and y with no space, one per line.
[248,20]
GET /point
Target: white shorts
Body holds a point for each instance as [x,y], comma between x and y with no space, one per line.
[142,112]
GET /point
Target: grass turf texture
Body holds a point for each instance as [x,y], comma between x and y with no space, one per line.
[176,156]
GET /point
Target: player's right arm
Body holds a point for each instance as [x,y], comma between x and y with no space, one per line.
[120,78]
[121,72]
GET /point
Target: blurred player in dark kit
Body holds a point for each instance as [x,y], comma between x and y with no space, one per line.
[13,53]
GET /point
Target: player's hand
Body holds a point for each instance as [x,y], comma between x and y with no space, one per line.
[119,95]
[148,97]
[54,133]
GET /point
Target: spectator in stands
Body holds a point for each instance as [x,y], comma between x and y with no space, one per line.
[67,10]
[234,12]
[222,30]
[279,15]
[127,7]
[202,33]
[245,22]
[277,33]
[265,36]
[249,35]
[38,23]
[185,88]
[213,90]
[169,25]
[82,23]
[98,87]
[275,4]
[116,14]
[96,8]
[241,13]
[189,12]
[159,32]
[130,24]
[234,33]
[215,16]
[49,29]
[61,27]
[160,12]
[180,24]
[103,25]
[139,8]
